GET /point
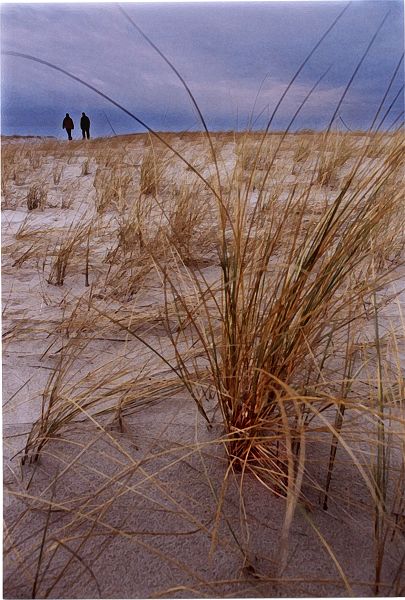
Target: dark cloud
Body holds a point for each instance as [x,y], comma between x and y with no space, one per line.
[224,51]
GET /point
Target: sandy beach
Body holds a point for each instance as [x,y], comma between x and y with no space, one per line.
[119,481]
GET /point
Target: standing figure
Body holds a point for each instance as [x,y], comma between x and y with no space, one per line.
[85,126]
[68,125]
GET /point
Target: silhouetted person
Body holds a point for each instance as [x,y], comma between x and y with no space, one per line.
[68,125]
[85,126]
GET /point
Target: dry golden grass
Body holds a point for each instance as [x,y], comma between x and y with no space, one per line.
[152,170]
[64,251]
[112,187]
[36,197]
[334,154]
[259,293]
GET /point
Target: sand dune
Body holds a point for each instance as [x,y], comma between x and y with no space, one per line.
[118,258]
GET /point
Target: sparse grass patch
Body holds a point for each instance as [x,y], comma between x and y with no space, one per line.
[37,195]
[64,252]
[152,169]
[334,153]
[302,148]
[34,155]
[86,167]
[57,173]
[13,171]
[112,186]
[190,232]
[254,156]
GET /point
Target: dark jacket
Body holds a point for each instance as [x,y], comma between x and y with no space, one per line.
[85,122]
[68,123]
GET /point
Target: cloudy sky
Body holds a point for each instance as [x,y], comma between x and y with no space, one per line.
[237,59]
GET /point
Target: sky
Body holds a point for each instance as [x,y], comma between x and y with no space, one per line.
[237,59]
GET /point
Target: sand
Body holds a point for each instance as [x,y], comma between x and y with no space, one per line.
[135,509]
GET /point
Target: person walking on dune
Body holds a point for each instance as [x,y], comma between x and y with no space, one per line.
[85,126]
[68,125]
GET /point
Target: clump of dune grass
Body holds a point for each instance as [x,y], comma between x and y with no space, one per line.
[253,155]
[302,148]
[68,197]
[375,146]
[64,252]
[338,149]
[152,169]
[127,278]
[112,186]
[36,197]
[57,173]
[128,259]
[273,306]
[35,247]
[7,168]
[34,155]
[263,336]
[86,167]
[110,390]
[133,226]
[190,231]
